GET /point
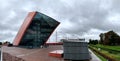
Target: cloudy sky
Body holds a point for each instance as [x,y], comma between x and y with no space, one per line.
[79,18]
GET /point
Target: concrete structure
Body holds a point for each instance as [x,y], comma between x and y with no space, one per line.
[35,30]
[74,49]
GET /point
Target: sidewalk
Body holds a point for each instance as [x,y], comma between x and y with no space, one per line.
[0,54]
[93,56]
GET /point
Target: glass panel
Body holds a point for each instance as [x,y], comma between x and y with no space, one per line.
[38,31]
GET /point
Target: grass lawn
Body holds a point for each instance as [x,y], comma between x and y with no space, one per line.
[109,50]
[101,57]
[117,48]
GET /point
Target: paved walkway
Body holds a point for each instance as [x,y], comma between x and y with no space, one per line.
[93,56]
[0,54]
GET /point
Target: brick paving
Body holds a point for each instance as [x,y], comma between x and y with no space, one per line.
[40,54]
[0,54]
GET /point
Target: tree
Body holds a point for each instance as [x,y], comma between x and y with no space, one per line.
[93,41]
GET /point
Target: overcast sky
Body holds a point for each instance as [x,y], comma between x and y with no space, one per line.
[79,18]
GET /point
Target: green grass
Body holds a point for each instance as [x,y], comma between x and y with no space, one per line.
[117,48]
[109,50]
[102,58]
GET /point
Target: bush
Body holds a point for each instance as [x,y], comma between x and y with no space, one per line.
[93,42]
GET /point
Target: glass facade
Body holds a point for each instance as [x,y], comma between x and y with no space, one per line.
[38,31]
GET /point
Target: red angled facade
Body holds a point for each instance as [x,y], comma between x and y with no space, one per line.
[35,30]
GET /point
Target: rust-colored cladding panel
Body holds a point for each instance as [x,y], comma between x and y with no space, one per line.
[55,55]
[23,28]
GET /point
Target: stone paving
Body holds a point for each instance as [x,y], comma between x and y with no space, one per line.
[0,54]
[93,56]
[37,54]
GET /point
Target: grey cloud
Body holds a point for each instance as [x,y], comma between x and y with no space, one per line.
[7,35]
[85,17]
[76,16]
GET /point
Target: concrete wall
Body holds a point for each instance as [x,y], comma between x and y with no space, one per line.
[76,50]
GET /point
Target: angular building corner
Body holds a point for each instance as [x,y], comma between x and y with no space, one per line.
[35,30]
